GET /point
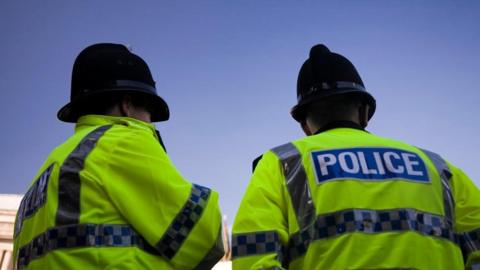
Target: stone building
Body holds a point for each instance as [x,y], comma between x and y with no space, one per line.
[8,209]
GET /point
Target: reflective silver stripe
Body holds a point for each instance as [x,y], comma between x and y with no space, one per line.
[370,222]
[68,211]
[445,175]
[476,266]
[214,255]
[81,235]
[184,222]
[358,220]
[470,242]
[297,183]
[256,243]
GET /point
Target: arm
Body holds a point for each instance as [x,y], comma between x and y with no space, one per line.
[260,230]
[467,216]
[182,221]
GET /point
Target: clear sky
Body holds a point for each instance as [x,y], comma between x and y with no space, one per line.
[228,71]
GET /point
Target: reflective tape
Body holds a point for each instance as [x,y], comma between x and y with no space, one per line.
[257,243]
[68,211]
[364,221]
[370,222]
[34,199]
[445,175]
[470,242]
[184,222]
[81,235]
[297,183]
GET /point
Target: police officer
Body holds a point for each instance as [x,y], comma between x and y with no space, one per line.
[343,198]
[109,197]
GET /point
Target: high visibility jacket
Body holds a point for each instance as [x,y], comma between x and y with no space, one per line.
[110,198]
[347,199]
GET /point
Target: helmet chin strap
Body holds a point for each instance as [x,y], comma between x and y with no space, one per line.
[306,128]
[363,115]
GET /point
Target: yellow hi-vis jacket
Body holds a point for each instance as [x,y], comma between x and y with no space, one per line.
[110,198]
[347,199]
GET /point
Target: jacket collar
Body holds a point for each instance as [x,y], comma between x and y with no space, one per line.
[339,124]
[101,120]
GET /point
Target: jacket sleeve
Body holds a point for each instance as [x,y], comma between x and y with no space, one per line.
[467,216]
[182,221]
[260,230]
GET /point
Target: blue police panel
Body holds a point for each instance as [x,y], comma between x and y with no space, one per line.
[369,164]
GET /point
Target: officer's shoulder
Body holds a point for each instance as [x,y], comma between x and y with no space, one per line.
[133,127]
[289,148]
[255,162]
[259,158]
[396,143]
[275,151]
[400,144]
[124,134]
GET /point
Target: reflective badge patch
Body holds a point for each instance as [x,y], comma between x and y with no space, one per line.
[369,164]
[34,199]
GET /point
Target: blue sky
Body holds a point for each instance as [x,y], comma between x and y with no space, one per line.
[228,70]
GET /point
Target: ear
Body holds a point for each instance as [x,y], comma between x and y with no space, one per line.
[126,106]
[305,128]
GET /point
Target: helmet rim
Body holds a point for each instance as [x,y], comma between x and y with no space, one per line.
[70,112]
[298,112]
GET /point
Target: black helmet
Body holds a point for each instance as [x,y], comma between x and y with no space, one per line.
[105,69]
[325,74]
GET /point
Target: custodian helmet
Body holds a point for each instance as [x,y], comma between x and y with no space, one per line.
[325,74]
[109,69]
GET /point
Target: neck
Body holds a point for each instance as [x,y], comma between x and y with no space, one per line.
[339,124]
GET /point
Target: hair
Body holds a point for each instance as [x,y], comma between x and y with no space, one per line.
[103,104]
[334,108]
